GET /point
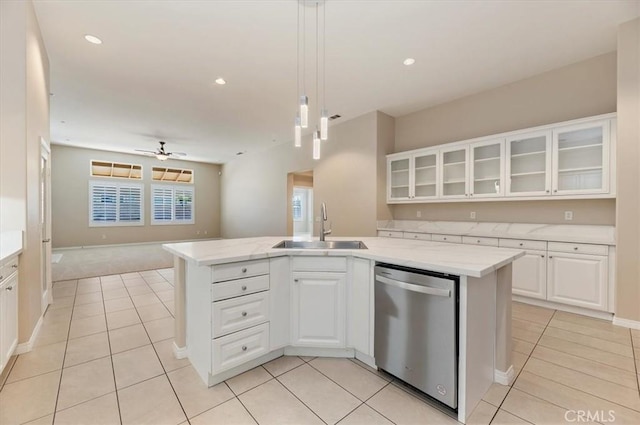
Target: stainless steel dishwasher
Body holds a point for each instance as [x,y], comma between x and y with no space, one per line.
[416,329]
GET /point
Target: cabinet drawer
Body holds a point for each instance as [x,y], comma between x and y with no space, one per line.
[471,240]
[446,238]
[418,236]
[323,264]
[240,269]
[8,268]
[239,313]
[523,244]
[240,347]
[579,248]
[235,288]
[389,234]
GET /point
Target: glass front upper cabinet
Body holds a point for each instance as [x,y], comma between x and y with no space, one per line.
[528,164]
[425,175]
[486,169]
[581,158]
[454,170]
[398,175]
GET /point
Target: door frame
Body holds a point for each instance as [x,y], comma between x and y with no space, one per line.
[45,230]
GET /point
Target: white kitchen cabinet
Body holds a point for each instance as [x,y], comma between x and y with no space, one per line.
[581,158]
[574,159]
[486,169]
[528,164]
[529,276]
[360,296]
[8,312]
[454,169]
[577,279]
[413,177]
[318,309]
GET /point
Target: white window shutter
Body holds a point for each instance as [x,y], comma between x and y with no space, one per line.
[104,203]
[162,204]
[183,204]
[115,204]
[130,204]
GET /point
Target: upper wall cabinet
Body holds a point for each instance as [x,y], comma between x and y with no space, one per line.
[581,158]
[569,160]
[413,177]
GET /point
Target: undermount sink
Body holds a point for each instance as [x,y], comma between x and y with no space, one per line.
[321,244]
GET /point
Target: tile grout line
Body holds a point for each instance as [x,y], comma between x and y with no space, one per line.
[64,357]
[293,394]
[521,369]
[160,361]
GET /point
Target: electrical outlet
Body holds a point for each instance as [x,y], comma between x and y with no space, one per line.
[568,215]
[418,213]
[472,215]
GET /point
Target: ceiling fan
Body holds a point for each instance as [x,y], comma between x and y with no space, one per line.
[161,153]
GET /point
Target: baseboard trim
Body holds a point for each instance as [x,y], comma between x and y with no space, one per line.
[179,352]
[366,359]
[319,352]
[563,307]
[504,378]
[25,347]
[626,323]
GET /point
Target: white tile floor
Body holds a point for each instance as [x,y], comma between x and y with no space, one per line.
[104,357]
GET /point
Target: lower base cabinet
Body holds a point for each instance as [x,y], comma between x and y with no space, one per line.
[530,275]
[578,279]
[318,310]
[8,318]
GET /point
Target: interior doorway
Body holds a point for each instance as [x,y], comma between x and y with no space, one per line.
[45,223]
[300,204]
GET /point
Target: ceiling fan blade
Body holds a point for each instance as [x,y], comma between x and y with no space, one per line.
[145,151]
[178,153]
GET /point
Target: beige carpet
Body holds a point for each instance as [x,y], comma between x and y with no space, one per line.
[79,263]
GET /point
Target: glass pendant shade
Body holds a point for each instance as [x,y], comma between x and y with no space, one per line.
[324,125]
[316,145]
[304,111]
[297,140]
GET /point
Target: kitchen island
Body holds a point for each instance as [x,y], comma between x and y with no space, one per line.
[241,303]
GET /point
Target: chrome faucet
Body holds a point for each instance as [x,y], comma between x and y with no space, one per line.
[323,218]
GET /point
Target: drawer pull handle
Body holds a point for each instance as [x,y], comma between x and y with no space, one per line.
[244,287]
[244,314]
[415,236]
[1,277]
[244,270]
[521,244]
[244,348]
[14,266]
[575,248]
[444,239]
[478,241]
[10,288]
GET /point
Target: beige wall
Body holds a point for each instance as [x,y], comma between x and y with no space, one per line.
[344,178]
[70,201]
[628,164]
[24,120]
[386,137]
[579,90]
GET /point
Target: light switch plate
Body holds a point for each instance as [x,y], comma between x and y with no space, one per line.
[472,215]
[568,215]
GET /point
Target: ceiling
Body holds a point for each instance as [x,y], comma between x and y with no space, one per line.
[153,77]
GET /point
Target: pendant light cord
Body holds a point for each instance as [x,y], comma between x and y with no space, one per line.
[324,56]
[298,54]
[317,59]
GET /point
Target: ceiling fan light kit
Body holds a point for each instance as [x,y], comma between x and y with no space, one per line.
[161,154]
[302,119]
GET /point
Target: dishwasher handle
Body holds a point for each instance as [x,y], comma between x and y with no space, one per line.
[415,288]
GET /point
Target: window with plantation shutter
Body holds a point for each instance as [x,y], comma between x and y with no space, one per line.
[115,204]
[171,204]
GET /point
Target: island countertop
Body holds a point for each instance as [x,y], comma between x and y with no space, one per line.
[458,259]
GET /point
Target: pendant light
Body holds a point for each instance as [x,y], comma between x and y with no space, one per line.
[302,118]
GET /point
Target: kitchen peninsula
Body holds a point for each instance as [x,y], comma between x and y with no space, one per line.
[241,303]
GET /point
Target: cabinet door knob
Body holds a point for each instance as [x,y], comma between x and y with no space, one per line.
[550,256]
[244,348]
[244,270]
[471,194]
[10,288]
[244,314]
[547,190]
[244,287]
[295,280]
[542,256]
[555,190]
[14,266]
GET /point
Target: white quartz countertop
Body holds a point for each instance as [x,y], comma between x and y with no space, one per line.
[10,244]
[574,233]
[466,260]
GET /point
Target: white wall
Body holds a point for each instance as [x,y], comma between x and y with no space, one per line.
[254,186]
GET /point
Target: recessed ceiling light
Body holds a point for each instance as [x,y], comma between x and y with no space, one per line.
[221,81]
[409,61]
[92,39]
